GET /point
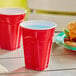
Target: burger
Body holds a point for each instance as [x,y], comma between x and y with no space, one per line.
[70,33]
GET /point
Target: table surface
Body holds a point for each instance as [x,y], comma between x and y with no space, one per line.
[62,63]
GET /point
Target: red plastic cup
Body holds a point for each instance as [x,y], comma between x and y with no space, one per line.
[10,31]
[37,42]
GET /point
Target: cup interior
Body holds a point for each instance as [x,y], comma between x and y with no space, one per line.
[38,24]
[12,11]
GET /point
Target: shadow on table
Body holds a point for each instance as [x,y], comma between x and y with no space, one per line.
[60,50]
[22,69]
[24,72]
[2,51]
[62,58]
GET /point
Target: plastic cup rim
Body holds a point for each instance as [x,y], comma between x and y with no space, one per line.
[26,23]
[21,11]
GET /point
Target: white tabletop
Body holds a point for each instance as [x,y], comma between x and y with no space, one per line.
[62,63]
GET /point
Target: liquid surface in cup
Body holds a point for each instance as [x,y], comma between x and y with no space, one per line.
[38,26]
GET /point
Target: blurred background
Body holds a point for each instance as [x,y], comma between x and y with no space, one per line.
[60,11]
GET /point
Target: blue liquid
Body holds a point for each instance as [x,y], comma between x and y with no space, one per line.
[38,26]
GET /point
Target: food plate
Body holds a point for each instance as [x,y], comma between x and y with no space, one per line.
[60,40]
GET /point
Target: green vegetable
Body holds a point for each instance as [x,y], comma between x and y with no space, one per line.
[66,32]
